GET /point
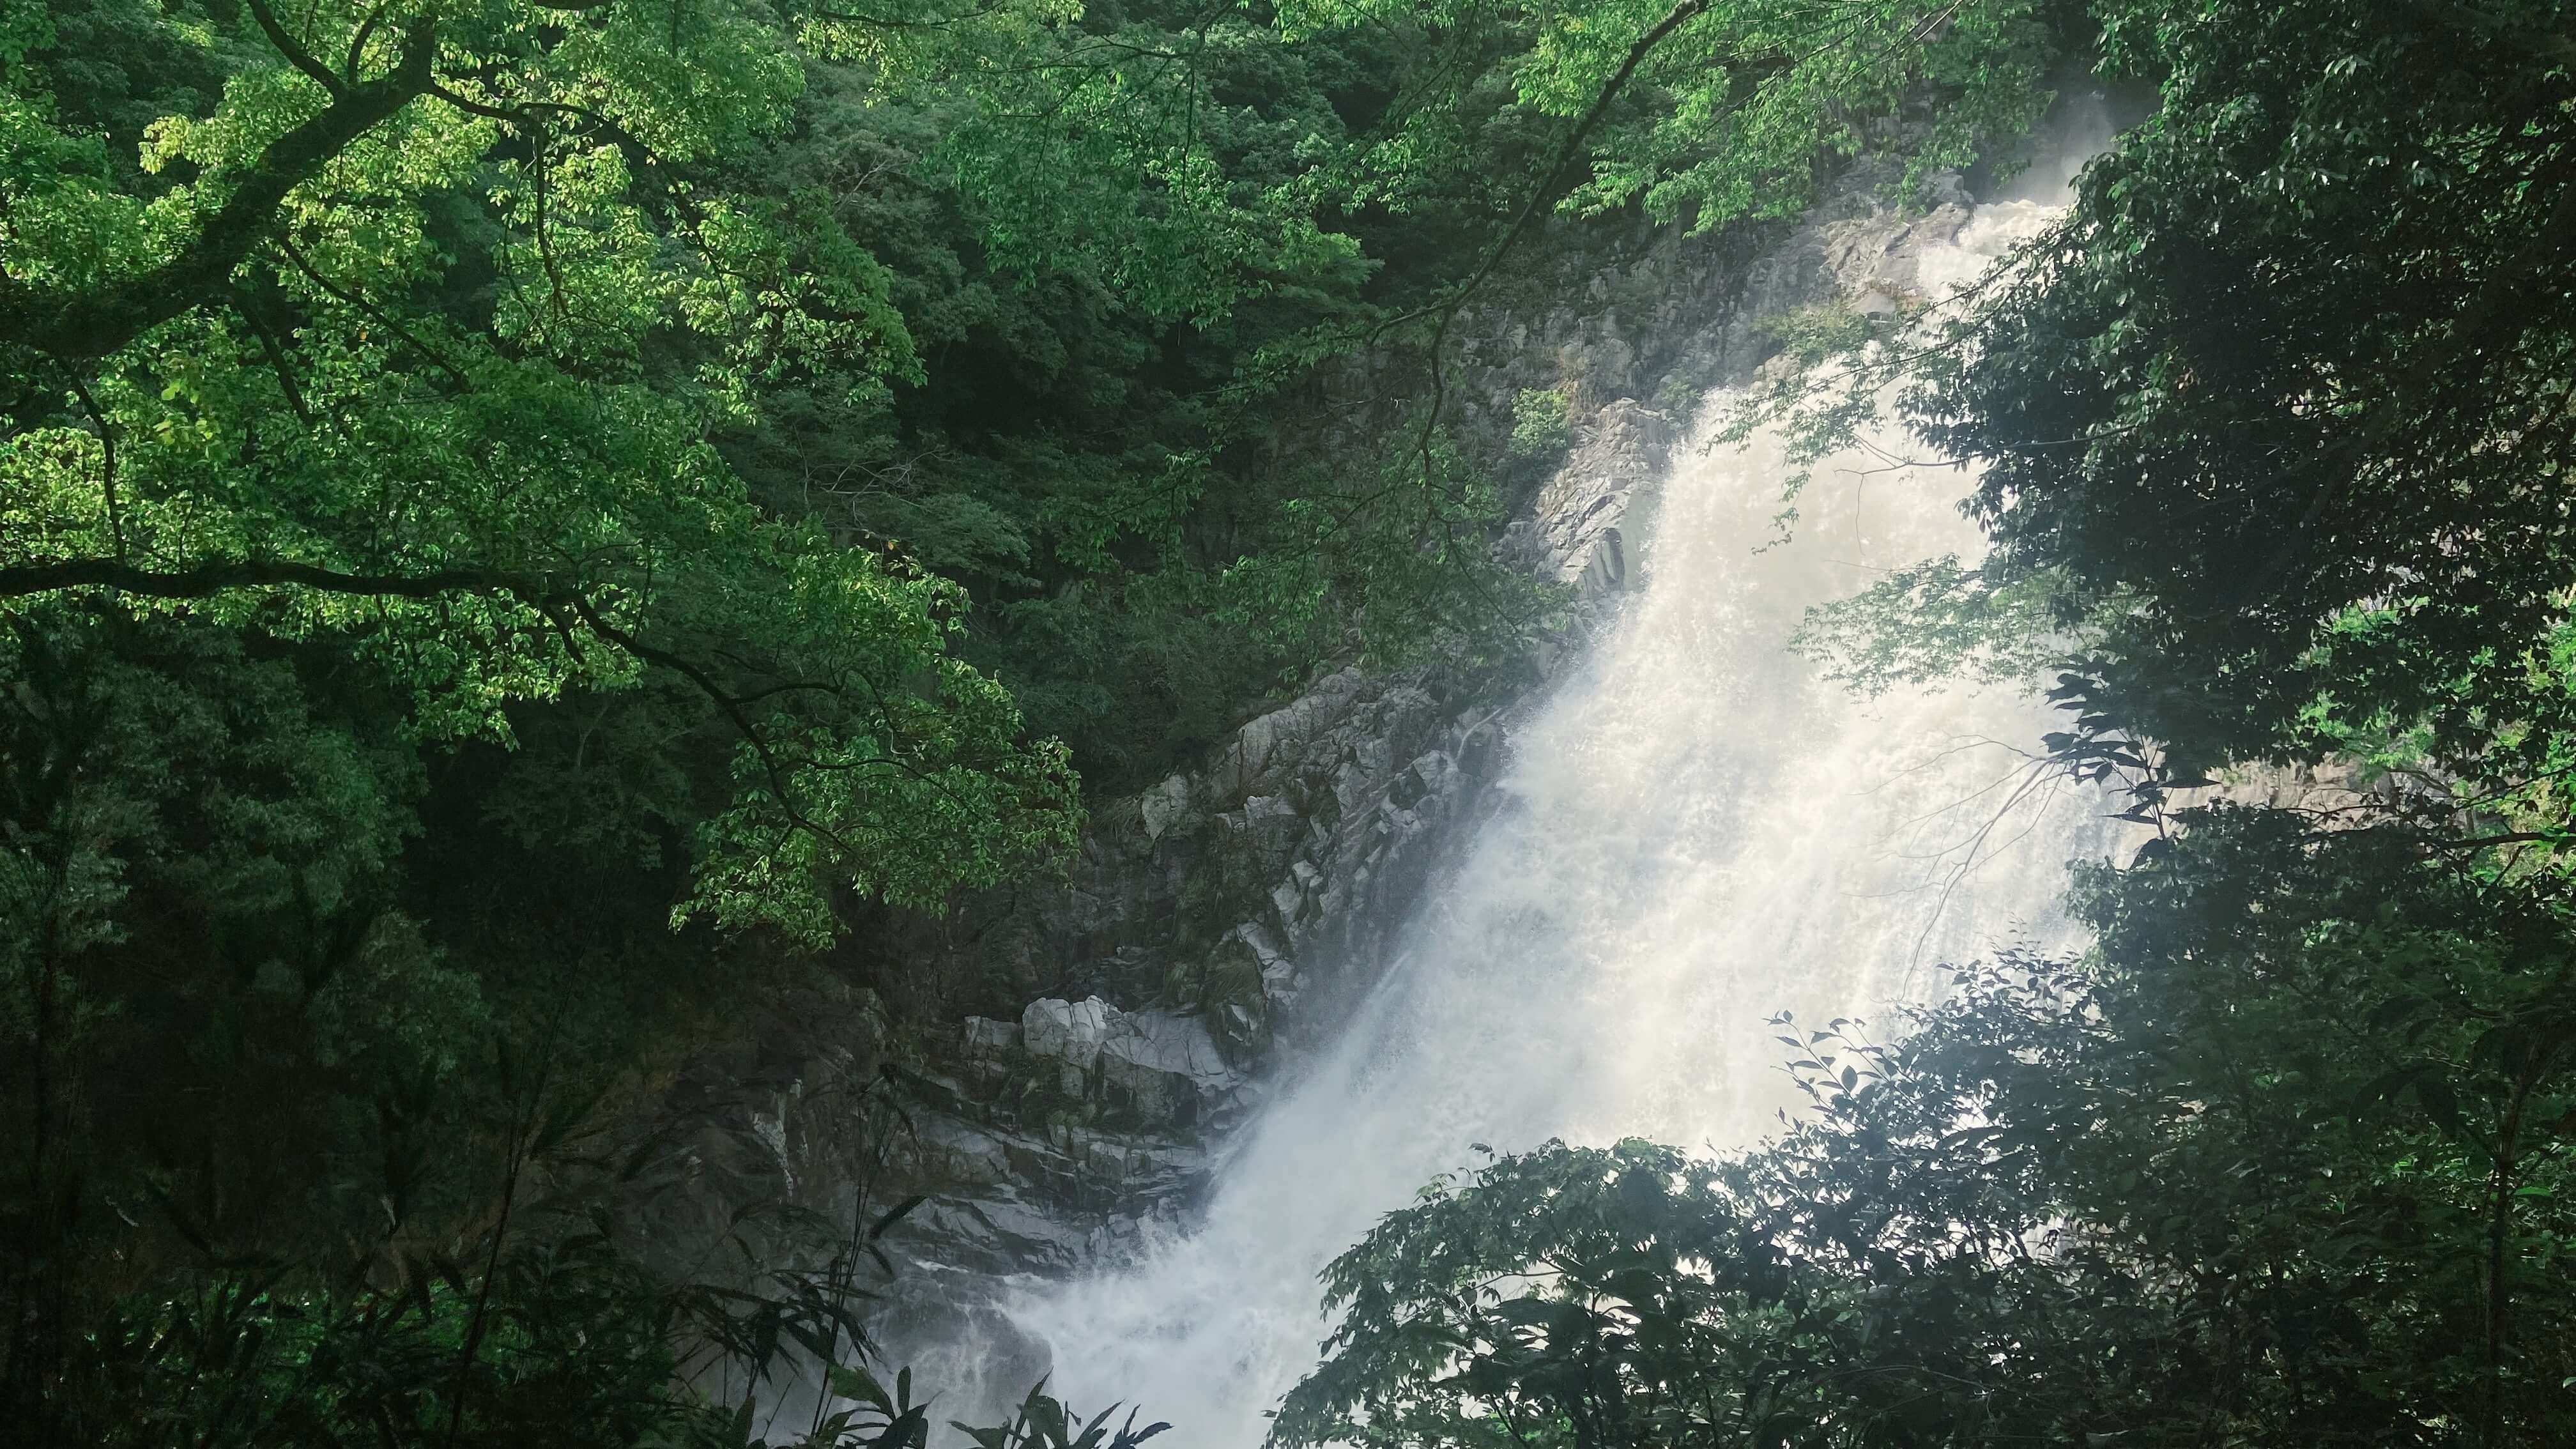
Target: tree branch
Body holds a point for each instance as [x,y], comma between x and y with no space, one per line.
[1681,14]
[312,273]
[777,771]
[207,580]
[275,352]
[888,22]
[296,55]
[91,324]
[358,42]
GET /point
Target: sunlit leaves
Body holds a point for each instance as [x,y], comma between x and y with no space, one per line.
[1728,115]
[317,404]
[1088,153]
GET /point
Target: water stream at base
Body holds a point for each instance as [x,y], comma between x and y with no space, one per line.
[1698,833]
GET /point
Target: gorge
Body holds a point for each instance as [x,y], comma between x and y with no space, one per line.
[1361,724]
[1695,833]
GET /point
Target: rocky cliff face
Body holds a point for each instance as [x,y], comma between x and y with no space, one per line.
[1246,901]
[1229,900]
[1218,921]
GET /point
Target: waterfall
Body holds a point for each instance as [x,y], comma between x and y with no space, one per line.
[1699,832]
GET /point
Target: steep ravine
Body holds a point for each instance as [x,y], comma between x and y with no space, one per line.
[1257,892]
[1694,832]
[1216,925]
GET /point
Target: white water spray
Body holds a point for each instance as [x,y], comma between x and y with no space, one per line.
[1700,833]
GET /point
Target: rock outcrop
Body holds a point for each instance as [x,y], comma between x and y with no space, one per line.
[1229,902]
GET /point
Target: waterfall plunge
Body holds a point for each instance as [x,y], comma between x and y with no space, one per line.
[1698,833]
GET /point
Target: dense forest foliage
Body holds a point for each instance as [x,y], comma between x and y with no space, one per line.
[515,514]
[2274,436]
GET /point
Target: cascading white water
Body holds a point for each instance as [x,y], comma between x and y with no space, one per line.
[1700,833]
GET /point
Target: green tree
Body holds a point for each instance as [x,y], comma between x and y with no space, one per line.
[2270,423]
[420,346]
[2283,1162]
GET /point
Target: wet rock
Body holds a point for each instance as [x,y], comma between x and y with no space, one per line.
[1872,259]
[1163,806]
[1066,1030]
[1581,521]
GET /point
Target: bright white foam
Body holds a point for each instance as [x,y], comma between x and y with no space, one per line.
[1700,833]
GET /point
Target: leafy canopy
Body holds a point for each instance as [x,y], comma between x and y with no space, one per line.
[412,333]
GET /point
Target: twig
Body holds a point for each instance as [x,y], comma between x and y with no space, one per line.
[107,459]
